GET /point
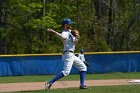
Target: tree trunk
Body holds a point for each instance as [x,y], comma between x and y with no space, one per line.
[44,8]
[100,8]
[97,8]
[130,24]
[78,17]
[110,21]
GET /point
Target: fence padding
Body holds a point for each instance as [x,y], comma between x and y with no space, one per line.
[52,64]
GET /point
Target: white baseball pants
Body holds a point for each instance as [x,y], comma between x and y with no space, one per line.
[69,60]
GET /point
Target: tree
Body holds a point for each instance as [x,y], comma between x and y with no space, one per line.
[104,25]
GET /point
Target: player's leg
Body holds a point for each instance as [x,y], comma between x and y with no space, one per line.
[82,67]
[57,77]
[68,62]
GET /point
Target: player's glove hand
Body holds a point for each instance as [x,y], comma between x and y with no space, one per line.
[75,33]
[86,63]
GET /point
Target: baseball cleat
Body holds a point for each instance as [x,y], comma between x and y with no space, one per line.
[83,87]
[47,85]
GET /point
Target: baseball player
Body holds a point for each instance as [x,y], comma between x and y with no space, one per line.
[82,57]
[69,40]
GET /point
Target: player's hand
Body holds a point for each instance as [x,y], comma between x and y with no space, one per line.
[50,30]
[75,33]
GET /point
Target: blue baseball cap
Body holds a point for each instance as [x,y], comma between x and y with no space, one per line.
[67,21]
[81,50]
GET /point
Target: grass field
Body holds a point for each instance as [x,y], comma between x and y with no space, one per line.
[101,89]
[42,78]
[96,89]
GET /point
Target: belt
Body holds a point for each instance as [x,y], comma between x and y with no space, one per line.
[68,51]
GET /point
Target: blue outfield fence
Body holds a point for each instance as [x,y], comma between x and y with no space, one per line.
[104,62]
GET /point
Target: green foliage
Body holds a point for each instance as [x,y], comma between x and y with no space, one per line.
[24,29]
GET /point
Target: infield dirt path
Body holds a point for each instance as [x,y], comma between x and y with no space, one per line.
[10,87]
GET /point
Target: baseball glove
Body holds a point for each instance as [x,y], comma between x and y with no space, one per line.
[75,33]
[86,63]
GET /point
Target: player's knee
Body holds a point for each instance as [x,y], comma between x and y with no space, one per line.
[84,68]
[65,73]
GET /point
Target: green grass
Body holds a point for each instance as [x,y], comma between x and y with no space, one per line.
[96,89]
[42,78]
[101,89]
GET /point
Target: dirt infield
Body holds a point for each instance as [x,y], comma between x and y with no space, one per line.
[10,87]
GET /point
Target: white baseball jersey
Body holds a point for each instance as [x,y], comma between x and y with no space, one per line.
[68,57]
[82,57]
[70,40]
